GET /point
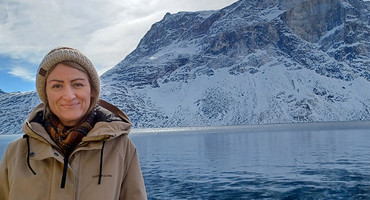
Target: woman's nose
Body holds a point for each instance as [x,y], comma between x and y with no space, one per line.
[69,93]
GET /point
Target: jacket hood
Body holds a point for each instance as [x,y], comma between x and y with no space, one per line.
[111,122]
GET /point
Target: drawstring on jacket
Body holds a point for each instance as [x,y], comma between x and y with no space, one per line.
[101,163]
[65,165]
[28,154]
[29,165]
[64,177]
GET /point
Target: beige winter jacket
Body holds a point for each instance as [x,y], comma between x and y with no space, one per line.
[104,166]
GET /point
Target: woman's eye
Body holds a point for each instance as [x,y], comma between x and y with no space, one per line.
[56,86]
[78,85]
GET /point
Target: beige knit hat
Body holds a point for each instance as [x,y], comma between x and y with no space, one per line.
[64,54]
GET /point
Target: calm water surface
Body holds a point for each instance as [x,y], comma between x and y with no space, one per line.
[330,164]
[237,164]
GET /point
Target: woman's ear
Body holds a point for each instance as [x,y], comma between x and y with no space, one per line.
[92,93]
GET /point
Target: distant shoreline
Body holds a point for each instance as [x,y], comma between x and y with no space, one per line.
[302,126]
[305,126]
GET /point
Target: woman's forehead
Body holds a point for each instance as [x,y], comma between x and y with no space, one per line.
[63,71]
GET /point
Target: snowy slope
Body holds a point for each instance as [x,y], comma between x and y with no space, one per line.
[250,63]
[14,109]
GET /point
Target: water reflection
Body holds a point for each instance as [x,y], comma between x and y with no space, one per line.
[268,165]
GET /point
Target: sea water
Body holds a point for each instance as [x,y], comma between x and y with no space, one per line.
[313,162]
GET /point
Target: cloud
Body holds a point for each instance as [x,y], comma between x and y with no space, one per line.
[23,73]
[105,30]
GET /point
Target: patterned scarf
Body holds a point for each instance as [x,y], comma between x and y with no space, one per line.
[68,139]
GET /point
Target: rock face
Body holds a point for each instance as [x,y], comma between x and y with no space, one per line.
[253,62]
[15,107]
[250,63]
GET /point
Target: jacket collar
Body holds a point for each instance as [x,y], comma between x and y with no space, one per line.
[111,123]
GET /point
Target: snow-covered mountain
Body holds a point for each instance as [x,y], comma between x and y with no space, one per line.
[250,63]
[253,62]
[15,107]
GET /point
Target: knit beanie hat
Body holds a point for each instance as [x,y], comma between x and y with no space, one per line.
[64,54]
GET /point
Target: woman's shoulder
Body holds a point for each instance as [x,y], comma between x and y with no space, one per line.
[15,147]
[122,144]
[19,142]
[122,140]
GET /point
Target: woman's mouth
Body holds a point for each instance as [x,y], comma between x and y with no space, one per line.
[70,105]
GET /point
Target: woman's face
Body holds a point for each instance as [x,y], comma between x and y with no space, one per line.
[68,93]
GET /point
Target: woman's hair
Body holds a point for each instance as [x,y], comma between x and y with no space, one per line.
[94,96]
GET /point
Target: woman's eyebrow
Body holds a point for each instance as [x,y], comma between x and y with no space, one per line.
[78,79]
[56,80]
[61,81]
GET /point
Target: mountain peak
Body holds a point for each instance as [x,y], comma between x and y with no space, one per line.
[269,61]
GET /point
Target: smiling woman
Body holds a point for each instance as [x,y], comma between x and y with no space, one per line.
[68,92]
[76,145]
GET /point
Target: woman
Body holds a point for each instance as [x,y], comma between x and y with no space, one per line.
[75,146]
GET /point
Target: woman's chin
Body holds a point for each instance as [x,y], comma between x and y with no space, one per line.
[70,120]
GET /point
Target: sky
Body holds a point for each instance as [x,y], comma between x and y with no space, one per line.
[105,30]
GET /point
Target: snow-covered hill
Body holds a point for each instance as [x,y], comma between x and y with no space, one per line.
[253,62]
[14,109]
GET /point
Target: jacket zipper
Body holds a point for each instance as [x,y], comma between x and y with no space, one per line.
[66,158]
